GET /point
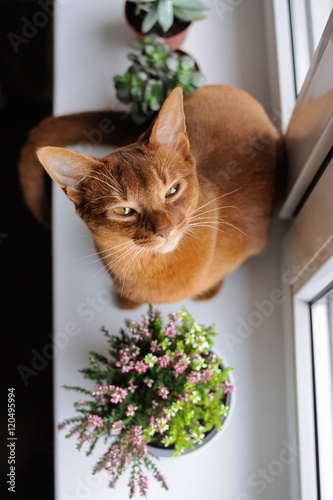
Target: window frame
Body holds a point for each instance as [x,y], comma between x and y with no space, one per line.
[307,248]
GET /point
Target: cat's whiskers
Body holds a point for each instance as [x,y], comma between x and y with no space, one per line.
[123,251]
[235,227]
[116,186]
[102,251]
[136,255]
[144,254]
[107,267]
[217,198]
[104,182]
[207,224]
[206,221]
[120,257]
[194,217]
[191,232]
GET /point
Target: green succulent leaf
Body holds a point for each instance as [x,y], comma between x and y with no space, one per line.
[165,14]
[150,50]
[142,1]
[184,77]
[197,79]
[142,76]
[188,15]
[187,63]
[155,96]
[172,64]
[187,89]
[190,4]
[150,20]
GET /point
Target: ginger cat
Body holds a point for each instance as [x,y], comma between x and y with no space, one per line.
[174,212]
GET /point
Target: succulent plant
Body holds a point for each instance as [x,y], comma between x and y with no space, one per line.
[155,71]
[164,12]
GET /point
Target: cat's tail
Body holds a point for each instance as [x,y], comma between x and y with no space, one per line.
[89,129]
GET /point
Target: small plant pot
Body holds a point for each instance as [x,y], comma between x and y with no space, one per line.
[229,400]
[174,37]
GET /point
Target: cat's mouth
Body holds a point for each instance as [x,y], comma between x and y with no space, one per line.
[167,245]
[163,244]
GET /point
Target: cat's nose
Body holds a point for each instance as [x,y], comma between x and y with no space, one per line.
[164,231]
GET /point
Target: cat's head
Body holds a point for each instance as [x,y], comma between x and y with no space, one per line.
[142,193]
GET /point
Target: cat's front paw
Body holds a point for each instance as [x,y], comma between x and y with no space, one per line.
[210,293]
[125,303]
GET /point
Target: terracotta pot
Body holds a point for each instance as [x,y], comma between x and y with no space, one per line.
[174,40]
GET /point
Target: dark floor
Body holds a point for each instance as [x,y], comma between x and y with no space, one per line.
[25,263]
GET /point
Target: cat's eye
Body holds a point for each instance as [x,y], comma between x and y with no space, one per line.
[126,211]
[173,190]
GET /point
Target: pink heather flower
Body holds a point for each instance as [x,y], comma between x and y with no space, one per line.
[173,316]
[131,387]
[80,402]
[194,377]
[138,441]
[163,392]
[124,356]
[154,346]
[186,397]
[180,366]
[229,387]
[164,360]
[95,421]
[101,402]
[162,425]
[130,410]
[117,426]
[141,367]
[206,375]
[117,394]
[128,367]
[101,390]
[149,382]
[142,482]
[211,396]
[134,351]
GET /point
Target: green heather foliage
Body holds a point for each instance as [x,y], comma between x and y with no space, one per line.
[164,12]
[155,71]
[156,384]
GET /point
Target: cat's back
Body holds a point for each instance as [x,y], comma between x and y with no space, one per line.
[221,119]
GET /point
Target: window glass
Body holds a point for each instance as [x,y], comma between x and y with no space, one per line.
[308,19]
[322,341]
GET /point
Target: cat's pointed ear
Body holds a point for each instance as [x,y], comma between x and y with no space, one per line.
[67,168]
[169,128]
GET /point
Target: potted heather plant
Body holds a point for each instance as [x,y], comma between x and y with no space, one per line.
[169,19]
[158,386]
[155,71]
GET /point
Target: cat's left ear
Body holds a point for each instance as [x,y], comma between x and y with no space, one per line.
[68,169]
[169,128]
